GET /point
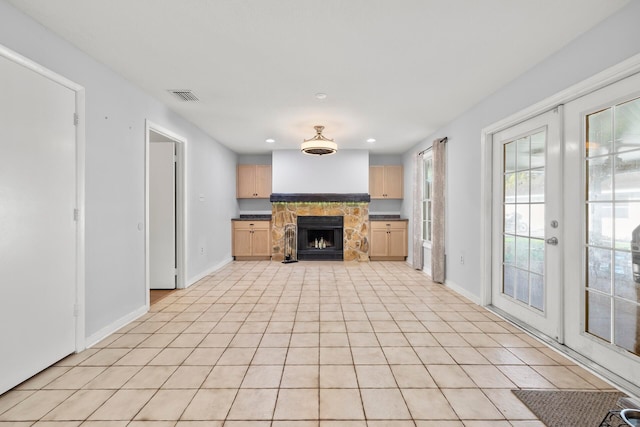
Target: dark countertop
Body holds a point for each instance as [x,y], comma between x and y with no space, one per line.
[252,218]
[268,218]
[386,218]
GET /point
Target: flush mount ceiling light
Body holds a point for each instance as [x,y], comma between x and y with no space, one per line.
[319,145]
[371,140]
[269,140]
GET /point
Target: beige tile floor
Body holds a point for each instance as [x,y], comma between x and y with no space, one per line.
[324,344]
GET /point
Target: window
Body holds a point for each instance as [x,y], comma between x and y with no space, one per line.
[427,191]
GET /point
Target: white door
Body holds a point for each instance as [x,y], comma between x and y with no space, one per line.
[602,181]
[526,208]
[37,228]
[162,215]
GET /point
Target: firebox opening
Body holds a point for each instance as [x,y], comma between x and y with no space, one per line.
[320,237]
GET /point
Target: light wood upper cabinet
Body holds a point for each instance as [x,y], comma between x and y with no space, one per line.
[253,182]
[385,182]
[388,240]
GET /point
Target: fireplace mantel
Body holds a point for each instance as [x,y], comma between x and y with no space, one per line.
[320,197]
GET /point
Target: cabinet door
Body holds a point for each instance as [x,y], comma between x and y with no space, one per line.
[378,247]
[393,182]
[246,181]
[260,243]
[241,241]
[376,182]
[263,181]
[397,242]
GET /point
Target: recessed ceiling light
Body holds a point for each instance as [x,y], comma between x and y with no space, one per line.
[321,95]
[269,140]
[371,140]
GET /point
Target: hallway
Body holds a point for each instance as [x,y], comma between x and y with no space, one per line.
[312,344]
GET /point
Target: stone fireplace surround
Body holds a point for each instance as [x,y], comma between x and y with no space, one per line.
[353,207]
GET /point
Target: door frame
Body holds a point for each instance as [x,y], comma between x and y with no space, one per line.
[181,211]
[80,309]
[599,80]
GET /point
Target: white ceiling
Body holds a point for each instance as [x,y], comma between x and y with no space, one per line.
[393,70]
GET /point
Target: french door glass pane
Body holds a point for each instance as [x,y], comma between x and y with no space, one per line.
[523,208]
[627,126]
[509,281]
[536,256]
[600,224]
[599,315]
[612,162]
[600,133]
[627,320]
[600,182]
[537,291]
[522,287]
[599,277]
[536,220]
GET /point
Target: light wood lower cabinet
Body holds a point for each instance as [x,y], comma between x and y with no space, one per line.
[251,240]
[388,240]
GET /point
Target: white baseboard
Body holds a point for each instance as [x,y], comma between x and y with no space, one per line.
[207,272]
[113,327]
[462,291]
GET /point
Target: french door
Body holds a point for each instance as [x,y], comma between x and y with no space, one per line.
[526,243]
[602,275]
[566,226]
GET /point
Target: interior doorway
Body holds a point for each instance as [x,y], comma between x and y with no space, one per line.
[165,209]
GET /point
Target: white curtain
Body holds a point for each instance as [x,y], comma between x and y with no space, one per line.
[438,226]
[418,182]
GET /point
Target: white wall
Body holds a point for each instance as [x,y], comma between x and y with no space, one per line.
[115,139]
[347,171]
[615,39]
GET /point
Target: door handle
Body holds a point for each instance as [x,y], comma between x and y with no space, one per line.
[552,241]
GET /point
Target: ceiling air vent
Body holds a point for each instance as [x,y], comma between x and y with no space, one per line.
[184,95]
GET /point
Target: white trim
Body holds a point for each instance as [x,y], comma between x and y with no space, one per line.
[486,203]
[181,205]
[457,289]
[80,236]
[207,272]
[612,74]
[37,68]
[80,342]
[95,338]
[462,292]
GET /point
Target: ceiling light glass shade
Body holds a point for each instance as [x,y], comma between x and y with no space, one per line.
[319,145]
